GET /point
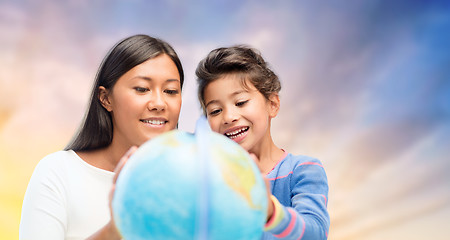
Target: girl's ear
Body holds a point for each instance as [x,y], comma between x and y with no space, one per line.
[274,105]
[103,97]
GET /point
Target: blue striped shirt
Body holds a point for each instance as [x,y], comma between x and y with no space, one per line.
[300,185]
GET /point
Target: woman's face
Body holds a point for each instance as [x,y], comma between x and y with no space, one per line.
[145,101]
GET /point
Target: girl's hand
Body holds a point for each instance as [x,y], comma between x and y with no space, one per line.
[270,205]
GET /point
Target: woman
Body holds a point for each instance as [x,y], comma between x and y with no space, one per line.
[136,96]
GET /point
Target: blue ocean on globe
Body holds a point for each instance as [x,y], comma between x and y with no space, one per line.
[190,186]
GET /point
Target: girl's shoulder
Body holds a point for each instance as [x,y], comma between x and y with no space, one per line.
[293,167]
[300,160]
[298,165]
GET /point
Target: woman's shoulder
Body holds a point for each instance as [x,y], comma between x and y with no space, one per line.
[72,163]
[58,156]
[52,170]
[55,160]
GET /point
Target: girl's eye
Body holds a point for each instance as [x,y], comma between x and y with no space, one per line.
[215,112]
[171,92]
[239,104]
[141,89]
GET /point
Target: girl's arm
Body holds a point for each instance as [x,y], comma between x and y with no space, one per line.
[308,217]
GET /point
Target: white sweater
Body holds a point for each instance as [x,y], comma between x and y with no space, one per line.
[66,198]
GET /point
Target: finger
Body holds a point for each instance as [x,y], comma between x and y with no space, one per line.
[254,157]
[267,185]
[111,197]
[122,162]
[111,194]
[256,160]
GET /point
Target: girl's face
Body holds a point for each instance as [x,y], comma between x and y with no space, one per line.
[145,101]
[241,113]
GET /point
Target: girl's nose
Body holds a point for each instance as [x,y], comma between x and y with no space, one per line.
[230,116]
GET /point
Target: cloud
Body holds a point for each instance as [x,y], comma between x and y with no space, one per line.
[364,88]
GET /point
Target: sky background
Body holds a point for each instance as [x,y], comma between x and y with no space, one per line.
[365,88]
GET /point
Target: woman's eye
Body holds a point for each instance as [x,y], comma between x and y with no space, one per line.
[239,104]
[141,89]
[215,112]
[171,92]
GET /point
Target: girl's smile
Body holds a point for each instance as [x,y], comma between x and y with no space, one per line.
[239,111]
[237,134]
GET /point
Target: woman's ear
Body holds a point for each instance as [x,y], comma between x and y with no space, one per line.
[274,105]
[103,97]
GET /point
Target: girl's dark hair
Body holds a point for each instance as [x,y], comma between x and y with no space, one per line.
[241,60]
[96,130]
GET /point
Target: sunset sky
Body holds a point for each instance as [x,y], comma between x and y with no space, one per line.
[365,88]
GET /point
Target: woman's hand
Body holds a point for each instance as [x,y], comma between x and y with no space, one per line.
[117,171]
[110,231]
[270,205]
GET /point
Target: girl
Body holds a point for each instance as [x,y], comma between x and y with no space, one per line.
[136,96]
[239,96]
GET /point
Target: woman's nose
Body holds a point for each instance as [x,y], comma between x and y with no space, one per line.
[156,102]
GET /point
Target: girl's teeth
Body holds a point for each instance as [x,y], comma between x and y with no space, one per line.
[235,133]
[232,137]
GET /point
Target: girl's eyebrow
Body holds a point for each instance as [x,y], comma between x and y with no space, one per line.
[211,102]
[238,92]
[233,94]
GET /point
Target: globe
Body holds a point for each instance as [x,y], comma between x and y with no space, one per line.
[190,186]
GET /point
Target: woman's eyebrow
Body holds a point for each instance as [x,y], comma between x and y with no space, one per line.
[142,77]
[173,80]
[150,79]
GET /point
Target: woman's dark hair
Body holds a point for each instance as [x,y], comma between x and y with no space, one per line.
[243,61]
[96,130]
